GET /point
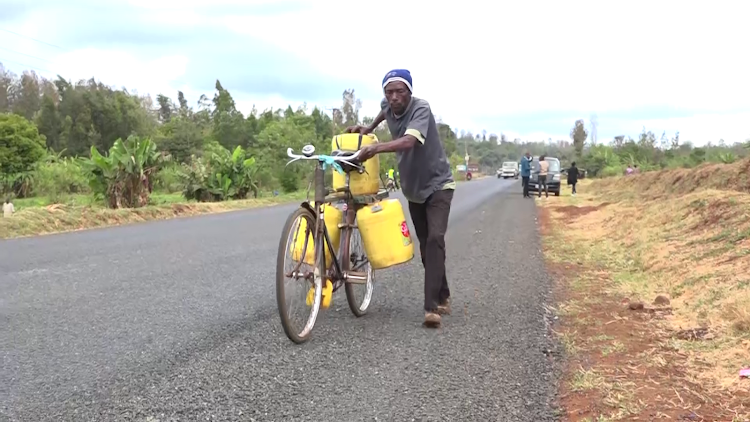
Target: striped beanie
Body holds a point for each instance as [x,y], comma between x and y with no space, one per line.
[398,75]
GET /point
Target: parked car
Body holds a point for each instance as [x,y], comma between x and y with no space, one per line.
[553,175]
[508,170]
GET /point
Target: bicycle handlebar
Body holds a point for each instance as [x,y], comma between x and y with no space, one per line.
[330,159]
[349,158]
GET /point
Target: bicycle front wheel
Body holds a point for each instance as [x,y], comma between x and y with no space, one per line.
[298,281]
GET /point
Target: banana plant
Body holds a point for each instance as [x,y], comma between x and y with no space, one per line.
[124,176]
[727,157]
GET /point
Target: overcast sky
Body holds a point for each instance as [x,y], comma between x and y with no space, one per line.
[528,69]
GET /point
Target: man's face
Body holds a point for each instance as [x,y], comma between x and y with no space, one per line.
[528,155]
[398,96]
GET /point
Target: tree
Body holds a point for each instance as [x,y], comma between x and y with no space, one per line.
[578,134]
[350,108]
[21,145]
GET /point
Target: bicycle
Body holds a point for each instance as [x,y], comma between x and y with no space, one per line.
[344,272]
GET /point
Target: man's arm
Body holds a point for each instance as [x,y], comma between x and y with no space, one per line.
[401,144]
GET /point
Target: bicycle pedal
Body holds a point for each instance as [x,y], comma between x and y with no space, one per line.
[327,294]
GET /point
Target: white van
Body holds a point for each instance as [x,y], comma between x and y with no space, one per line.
[509,169]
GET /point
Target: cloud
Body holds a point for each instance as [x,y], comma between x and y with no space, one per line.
[530,68]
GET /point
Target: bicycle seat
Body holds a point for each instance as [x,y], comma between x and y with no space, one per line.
[345,166]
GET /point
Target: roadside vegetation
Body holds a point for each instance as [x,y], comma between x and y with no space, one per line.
[82,154]
[653,300]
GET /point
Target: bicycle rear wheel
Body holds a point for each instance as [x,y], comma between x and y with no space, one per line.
[296,269]
[359,296]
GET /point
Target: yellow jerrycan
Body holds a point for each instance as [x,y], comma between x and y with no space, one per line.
[385,233]
[333,217]
[367,183]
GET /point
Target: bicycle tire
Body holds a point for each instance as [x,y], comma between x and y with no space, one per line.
[359,308]
[284,246]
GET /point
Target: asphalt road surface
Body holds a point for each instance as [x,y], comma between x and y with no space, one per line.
[177,320]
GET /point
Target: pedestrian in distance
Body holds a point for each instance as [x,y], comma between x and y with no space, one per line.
[8,208]
[573,177]
[543,170]
[526,173]
[427,182]
[392,176]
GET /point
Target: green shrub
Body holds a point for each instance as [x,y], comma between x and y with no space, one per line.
[224,175]
[169,178]
[60,177]
[610,171]
[289,181]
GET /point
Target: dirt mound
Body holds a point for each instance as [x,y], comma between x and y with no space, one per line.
[730,177]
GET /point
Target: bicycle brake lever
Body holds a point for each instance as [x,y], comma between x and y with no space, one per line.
[291,161]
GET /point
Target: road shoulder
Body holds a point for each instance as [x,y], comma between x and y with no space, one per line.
[625,359]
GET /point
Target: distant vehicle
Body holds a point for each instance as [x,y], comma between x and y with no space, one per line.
[553,175]
[508,170]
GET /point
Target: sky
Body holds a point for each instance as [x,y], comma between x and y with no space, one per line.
[526,69]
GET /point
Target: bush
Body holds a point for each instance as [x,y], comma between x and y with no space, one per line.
[224,175]
[610,171]
[60,177]
[21,147]
[289,181]
[169,179]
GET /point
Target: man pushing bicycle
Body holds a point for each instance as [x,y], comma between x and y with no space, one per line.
[426,180]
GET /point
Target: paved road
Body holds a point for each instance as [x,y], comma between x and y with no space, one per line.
[177,320]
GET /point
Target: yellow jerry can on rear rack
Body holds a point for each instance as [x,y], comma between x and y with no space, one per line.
[333,216]
[385,233]
[367,183]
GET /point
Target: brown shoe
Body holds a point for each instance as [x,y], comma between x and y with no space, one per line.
[432,320]
[444,308]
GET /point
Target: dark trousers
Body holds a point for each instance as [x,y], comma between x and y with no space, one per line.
[525,184]
[574,187]
[431,222]
[543,182]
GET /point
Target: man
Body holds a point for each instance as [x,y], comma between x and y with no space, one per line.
[573,177]
[427,182]
[392,176]
[543,170]
[526,173]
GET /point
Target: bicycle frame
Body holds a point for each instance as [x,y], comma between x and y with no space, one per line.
[340,272]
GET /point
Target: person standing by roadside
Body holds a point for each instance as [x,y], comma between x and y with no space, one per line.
[573,176]
[526,173]
[543,169]
[427,183]
[8,208]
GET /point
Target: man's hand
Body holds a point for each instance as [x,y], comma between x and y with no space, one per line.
[366,152]
[364,130]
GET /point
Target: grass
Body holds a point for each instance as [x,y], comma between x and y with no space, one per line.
[683,234]
[47,215]
[36,216]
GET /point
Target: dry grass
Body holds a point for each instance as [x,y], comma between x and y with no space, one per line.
[58,218]
[674,234]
